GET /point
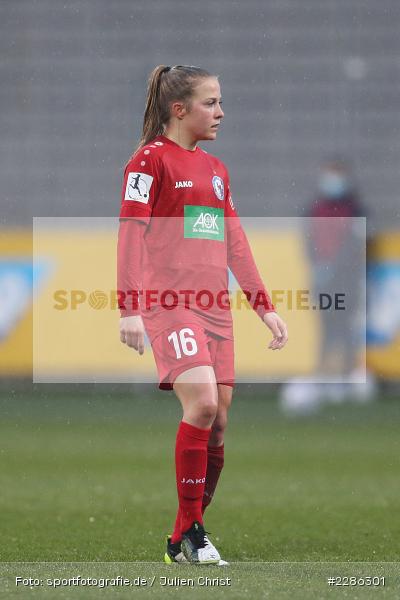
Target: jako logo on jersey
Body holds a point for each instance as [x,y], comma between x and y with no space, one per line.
[206,221]
[138,187]
[194,481]
[183,184]
[218,186]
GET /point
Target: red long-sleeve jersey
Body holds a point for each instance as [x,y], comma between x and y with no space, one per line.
[178,235]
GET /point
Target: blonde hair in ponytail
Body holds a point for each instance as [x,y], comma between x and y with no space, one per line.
[166,85]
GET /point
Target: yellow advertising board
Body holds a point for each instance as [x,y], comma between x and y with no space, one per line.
[73,325]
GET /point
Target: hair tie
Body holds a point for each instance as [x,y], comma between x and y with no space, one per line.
[166,69]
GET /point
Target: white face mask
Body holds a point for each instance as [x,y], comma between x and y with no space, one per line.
[333,185]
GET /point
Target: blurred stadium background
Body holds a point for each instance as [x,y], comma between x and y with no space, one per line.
[301,81]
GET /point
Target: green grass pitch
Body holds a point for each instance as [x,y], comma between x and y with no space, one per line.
[87,475]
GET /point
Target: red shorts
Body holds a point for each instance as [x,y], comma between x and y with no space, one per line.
[181,348]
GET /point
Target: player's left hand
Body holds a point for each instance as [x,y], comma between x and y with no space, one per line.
[278,328]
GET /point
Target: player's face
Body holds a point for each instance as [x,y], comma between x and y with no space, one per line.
[205,113]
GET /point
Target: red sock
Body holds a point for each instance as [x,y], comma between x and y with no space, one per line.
[215,463]
[191,468]
[177,533]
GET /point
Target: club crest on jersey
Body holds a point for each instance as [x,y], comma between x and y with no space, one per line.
[183,184]
[218,186]
[138,187]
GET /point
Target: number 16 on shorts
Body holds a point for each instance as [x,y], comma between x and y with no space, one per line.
[183,342]
[192,346]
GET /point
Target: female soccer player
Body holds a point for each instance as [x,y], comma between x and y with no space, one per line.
[179,233]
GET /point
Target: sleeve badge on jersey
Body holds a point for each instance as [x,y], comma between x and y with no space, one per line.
[138,187]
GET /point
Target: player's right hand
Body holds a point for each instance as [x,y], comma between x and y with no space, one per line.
[131,331]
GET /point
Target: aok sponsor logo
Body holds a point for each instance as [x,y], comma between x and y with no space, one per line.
[204,222]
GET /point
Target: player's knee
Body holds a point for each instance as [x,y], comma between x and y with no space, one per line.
[200,402]
[218,430]
[208,407]
[207,401]
[220,422]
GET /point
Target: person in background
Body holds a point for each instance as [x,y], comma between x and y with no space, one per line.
[335,253]
[335,248]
